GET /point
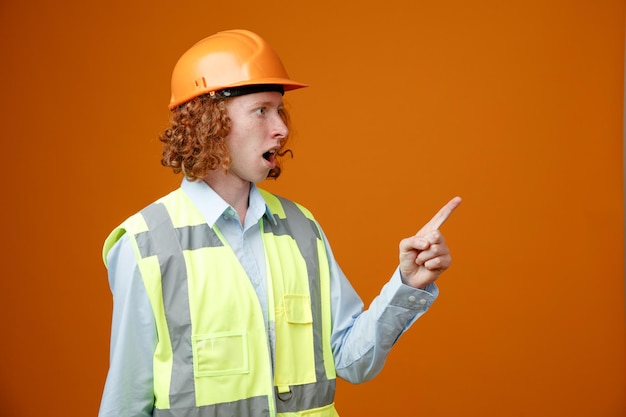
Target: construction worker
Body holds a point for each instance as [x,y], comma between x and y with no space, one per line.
[227,299]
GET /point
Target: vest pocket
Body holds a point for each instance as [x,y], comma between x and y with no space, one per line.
[295,355]
[297,308]
[223,353]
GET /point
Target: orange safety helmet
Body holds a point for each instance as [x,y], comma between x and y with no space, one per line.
[228,59]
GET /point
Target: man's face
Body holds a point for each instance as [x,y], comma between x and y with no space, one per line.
[255,135]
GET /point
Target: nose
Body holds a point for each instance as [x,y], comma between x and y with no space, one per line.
[279,127]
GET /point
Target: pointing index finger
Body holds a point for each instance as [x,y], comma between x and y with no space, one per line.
[442,215]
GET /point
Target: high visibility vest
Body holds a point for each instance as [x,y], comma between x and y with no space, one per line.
[212,356]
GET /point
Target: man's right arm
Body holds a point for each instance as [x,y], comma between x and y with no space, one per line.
[128,390]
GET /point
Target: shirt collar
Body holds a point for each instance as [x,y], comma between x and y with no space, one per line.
[212,206]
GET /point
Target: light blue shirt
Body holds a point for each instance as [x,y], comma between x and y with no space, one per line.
[361,339]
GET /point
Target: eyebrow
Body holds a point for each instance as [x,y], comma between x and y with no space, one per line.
[266,103]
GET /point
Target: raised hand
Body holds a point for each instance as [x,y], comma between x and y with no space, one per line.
[424,256]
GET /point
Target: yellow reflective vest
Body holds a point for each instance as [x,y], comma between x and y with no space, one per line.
[212,356]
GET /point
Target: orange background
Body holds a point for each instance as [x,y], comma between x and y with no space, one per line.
[516,106]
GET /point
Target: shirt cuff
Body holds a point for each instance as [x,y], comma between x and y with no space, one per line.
[412,298]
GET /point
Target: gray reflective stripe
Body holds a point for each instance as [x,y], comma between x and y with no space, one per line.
[305,233]
[252,407]
[307,397]
[164,242]
[190,238]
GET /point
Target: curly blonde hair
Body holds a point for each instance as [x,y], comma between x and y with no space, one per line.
[195,141]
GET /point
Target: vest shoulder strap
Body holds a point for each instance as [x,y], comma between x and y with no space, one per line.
[133,225]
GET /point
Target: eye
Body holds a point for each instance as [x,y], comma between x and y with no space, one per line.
[261,111]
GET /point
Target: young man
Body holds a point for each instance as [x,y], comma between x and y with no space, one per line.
[227,299]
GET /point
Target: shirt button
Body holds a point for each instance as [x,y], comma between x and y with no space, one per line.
[412,298]
[422,301]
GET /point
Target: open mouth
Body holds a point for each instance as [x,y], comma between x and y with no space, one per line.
[269,155]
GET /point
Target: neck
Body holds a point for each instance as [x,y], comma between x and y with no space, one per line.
[235,193]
